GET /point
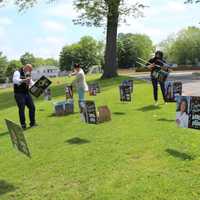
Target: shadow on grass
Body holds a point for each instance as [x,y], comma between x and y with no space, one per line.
[6,187]
[118,113]
[180,155]
[56,116]
[4,133]
[77,141]
[148,108]
[166,120]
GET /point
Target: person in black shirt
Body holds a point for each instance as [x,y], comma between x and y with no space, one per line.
[21,82]
[155,64]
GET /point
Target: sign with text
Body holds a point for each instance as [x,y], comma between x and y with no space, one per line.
[94,88]
[69,92]
[40,86]
[47,94]
[188,112]
[64,108]
[17,137]
[173,90]
[128,83]
[125,93]
[89,112]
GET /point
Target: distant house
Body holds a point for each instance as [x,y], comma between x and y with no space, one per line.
[48,71]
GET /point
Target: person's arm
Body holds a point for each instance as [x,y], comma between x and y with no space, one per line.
[31,82]
[16,78]
[150,65]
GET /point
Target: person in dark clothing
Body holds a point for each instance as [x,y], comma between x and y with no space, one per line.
[155,64]
[21,83]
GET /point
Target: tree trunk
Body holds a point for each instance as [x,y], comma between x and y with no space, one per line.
[110,66]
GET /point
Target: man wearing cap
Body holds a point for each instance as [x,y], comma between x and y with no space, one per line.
[21,82]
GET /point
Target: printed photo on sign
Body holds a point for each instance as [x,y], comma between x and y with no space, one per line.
[40,86]
[89,112]
[69,92]
[125,93]
[17,137]
[128,83]
[172,90]
[182,111]
[194,115]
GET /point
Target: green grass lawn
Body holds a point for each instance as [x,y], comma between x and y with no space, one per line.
[139,155]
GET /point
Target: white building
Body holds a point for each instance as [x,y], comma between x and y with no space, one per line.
[48,71]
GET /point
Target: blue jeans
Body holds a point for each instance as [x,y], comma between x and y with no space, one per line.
[81,96]
[23,100]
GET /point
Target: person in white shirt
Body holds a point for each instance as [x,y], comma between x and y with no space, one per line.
[21,83]
[80,83]
[182,117]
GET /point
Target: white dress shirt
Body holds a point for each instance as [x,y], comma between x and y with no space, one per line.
[18,81]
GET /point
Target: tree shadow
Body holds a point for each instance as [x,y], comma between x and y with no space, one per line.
[180,155]
[149,108]
[77,141]
[166,120]
[4,133]
[118,113]
[6,187]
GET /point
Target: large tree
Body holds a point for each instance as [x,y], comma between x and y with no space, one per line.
[98,13]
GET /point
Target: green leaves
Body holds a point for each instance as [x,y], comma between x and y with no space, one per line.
[87,52]
[184,47]
[130,46]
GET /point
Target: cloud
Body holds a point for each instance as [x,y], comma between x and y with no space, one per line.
[5,21]
[62,10]
[48,46]
[175,7]
[53,26]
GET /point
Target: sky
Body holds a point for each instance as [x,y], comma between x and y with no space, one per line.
[46,28]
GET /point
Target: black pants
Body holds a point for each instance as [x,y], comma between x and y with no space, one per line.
[22,101]
[155,88]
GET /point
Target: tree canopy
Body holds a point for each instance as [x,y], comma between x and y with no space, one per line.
[87,52]
[184,47]
[130,47]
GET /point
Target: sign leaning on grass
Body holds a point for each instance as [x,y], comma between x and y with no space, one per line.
[125,92]
[89,112]
[94,88]
[17,137]
[69,92]
[128,83]
[188,112]
[173,90]
[40,86]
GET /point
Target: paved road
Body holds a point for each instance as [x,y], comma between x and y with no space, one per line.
[191,81]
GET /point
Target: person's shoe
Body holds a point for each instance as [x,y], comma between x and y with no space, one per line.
[33,125]
[156,103]
[23,127]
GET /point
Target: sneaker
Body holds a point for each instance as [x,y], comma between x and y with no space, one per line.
[156,103]
[33,125]
[23,126]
